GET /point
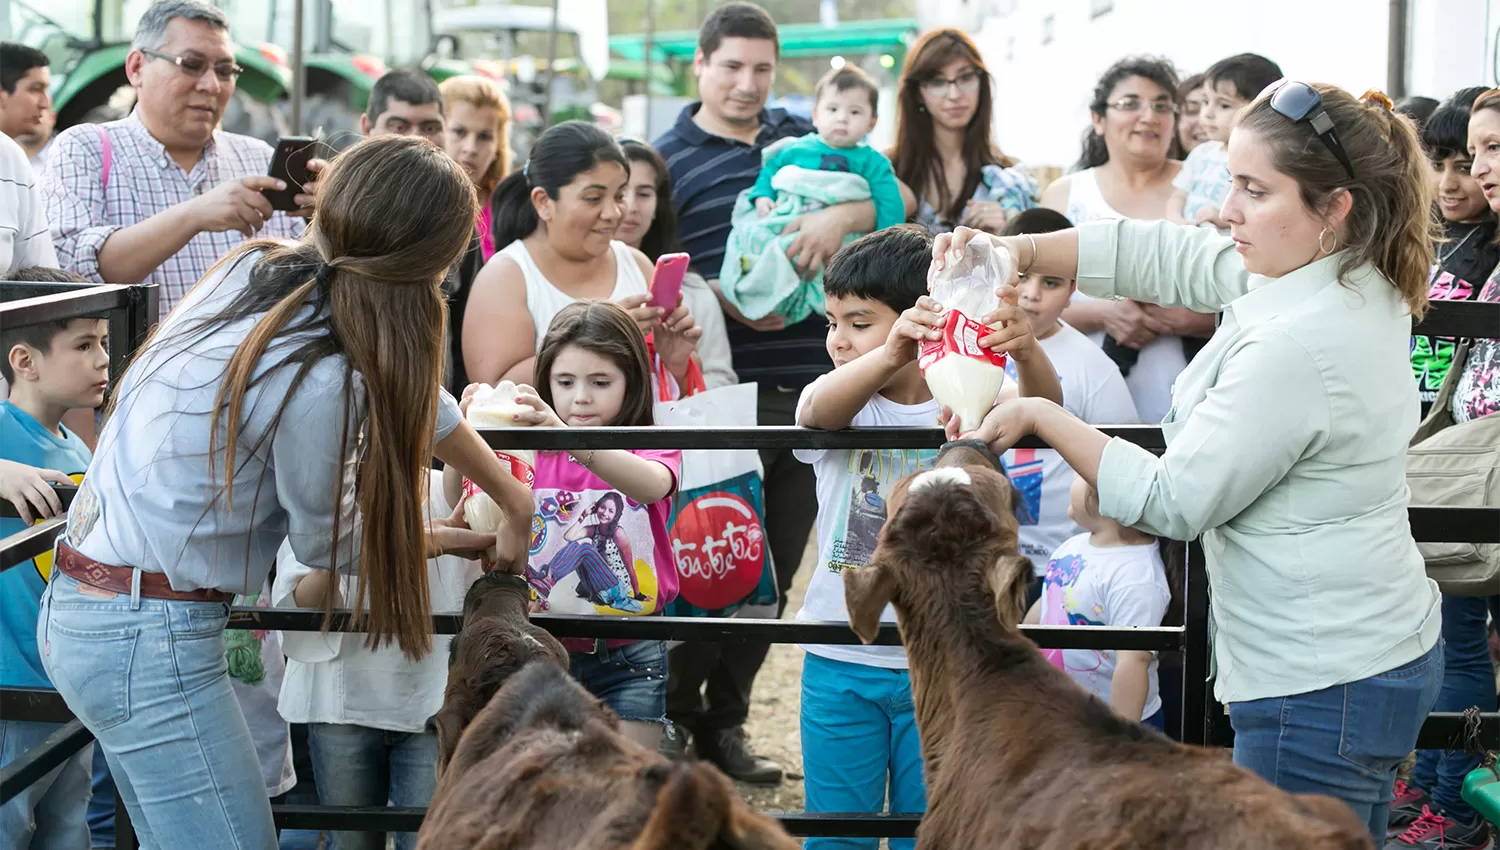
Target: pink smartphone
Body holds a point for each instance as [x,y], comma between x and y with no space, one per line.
[666,281]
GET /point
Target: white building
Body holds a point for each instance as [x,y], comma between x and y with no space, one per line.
[1046,55]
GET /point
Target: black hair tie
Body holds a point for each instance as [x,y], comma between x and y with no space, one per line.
[324,276]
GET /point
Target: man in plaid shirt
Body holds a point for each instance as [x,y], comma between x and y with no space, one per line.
[179,194]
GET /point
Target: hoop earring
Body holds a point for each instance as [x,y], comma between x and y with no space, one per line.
[1326,251]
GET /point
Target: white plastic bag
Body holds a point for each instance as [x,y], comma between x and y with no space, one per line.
[960,374]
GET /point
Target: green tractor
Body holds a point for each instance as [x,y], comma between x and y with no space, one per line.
[88,41]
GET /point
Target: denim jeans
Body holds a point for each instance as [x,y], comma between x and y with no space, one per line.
[360,766]
[859,745]
[1345,741]
[148,677]
[1468,680]
[630,679]
[48,814]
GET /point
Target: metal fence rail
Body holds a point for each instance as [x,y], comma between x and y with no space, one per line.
[1203,719]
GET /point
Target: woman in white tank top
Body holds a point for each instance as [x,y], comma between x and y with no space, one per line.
[556,218]
[1128,143]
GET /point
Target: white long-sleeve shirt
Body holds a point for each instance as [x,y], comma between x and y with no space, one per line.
[152,496]
[1286,451]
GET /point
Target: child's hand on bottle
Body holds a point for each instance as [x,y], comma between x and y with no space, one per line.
[540,415]
[1012,329]
[922,323]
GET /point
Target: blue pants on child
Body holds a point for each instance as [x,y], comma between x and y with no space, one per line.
[360,766]
[859,745]
[1345,741]
[49,813]
[1468,680]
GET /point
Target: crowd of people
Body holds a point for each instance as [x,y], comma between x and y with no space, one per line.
[1230,242]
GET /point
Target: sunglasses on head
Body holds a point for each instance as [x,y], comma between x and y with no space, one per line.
[1297,101]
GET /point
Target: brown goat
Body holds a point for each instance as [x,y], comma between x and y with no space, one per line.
[544,766]
[1017,756]
[496,641]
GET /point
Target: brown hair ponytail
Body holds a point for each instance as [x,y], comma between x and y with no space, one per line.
[1391,224]
[393,215]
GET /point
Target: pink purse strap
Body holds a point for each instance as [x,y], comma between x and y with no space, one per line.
[107,157]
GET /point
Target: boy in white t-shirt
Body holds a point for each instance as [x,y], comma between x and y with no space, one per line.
[859,735]
[1229,85]
[1092,388]
[1108,576]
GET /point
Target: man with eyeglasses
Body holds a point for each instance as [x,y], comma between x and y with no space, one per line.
[159,196]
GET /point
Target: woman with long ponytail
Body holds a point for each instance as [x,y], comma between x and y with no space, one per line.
[292,395]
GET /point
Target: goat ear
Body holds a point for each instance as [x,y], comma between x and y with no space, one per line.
[1008,580]
[867,590]
[448,728]
[750,830]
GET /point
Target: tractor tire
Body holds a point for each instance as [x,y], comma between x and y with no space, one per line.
[329,110]
[249,117]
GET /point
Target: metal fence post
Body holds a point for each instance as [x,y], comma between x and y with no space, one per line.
[1196,720]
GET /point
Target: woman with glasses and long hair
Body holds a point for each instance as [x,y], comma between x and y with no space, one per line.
[1286,444]
[1126,171]
[292,395]
[943,151]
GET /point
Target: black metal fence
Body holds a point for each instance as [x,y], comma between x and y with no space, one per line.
[1203,720]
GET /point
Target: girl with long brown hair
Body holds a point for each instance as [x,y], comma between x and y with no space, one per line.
[291,395]
[1287,441]
[943,151]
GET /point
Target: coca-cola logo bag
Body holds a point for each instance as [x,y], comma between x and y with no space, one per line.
[718,517]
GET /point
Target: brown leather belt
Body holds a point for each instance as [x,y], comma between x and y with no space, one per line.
[118,579]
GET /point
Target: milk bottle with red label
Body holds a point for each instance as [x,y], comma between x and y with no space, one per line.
[494,407]
[960,374]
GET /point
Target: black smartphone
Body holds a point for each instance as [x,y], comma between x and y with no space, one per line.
[289,165]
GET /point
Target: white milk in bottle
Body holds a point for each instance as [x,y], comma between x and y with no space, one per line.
[494,407]
[960,374]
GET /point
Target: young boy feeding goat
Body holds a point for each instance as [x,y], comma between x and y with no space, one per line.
[1017,755]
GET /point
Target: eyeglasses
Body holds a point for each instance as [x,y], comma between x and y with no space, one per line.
[1296,101]
[1135,104]
[196,67]
[965,83]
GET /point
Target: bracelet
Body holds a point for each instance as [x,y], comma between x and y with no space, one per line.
[1031,262]
[586,463]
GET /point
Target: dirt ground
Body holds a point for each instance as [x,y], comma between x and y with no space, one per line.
[776,705]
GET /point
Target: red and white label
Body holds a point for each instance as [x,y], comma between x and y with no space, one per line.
[961,335]
[518,467]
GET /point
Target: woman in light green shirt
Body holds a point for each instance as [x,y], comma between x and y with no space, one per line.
[1287,436]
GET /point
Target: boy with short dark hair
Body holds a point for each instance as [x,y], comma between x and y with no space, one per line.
[859,737]
[1229,86]
[51,368]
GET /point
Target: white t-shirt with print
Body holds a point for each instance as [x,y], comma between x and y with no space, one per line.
[1094,392]
[852,490]
[1116,586]
[1204,177]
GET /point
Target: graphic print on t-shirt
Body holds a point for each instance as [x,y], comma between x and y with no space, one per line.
[858,519]
[582,558]
[1062,605]
[1431,356]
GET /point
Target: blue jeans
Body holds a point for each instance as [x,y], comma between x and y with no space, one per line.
[1345,741]
[102,804]
[1468,680]
[49,813]
[360,766]
[630,679]
[859,745]
[148,677]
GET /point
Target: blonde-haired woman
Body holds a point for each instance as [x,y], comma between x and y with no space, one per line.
[291,396]
[478,136]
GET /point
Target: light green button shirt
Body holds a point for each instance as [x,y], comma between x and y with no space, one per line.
[1286,451]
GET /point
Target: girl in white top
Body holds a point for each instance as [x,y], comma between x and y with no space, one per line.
[1125,173]
[1286,444]
[556,219]
[367,709]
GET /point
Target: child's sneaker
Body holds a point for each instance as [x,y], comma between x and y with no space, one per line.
[1436,831]
[1406,808]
